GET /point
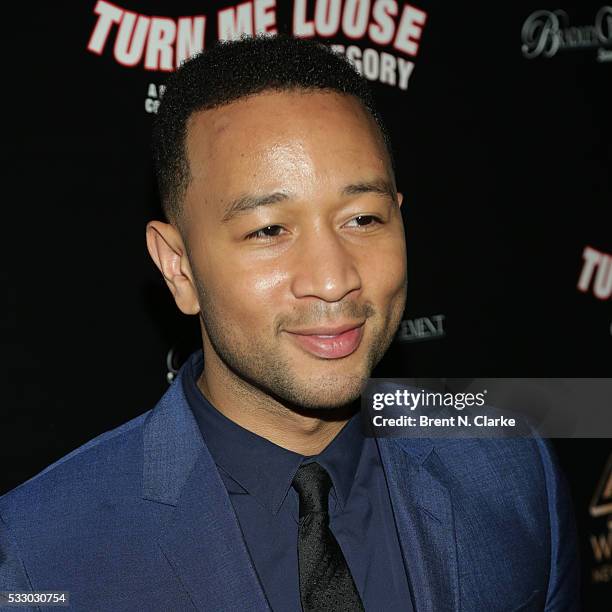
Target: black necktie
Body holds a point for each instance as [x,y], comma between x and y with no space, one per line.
[326,584]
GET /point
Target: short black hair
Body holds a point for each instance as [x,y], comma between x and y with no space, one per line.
[231,70]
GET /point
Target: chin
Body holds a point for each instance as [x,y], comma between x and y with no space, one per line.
[328,392]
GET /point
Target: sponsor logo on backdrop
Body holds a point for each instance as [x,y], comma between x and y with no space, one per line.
[156,43]
[596,273]
[601,542]
[545,33]
[173,363]
[421,328]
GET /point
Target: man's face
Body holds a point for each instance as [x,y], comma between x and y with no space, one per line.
[296,248]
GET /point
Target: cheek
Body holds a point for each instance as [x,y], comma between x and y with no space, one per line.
[263,284]
[251,296]
[384,271]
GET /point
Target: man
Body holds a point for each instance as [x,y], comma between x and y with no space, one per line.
[250,486]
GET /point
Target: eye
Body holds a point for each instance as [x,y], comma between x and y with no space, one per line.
[271,231]
[366,220]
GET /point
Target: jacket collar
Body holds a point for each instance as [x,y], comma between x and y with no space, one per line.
[422,505]
[201,537]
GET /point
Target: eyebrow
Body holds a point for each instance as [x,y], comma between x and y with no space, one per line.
[249,202]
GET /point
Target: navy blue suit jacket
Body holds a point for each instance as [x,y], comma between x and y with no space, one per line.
[139,519]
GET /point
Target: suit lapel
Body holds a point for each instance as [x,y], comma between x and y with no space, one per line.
[424,518]
[201,538]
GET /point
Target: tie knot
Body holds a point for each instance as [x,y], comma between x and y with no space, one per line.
[312,482]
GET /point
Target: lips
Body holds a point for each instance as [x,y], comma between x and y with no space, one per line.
[329,342]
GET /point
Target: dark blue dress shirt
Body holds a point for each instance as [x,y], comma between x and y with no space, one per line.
[258,474]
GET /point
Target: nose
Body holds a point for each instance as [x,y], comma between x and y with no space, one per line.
[325,267]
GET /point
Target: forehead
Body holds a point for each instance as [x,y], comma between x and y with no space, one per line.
[282,128]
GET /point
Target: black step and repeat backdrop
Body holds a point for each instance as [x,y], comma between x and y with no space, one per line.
[501,117]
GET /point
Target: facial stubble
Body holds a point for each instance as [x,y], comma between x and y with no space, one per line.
[258,364]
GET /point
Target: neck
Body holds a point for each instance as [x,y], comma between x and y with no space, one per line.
[306,432]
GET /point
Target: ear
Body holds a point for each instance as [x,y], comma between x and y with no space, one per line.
[167,250]
[400,198]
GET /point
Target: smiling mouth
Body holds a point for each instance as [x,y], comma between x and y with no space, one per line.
[330,343]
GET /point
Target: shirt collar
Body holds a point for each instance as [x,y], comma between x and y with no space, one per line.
[264,469]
